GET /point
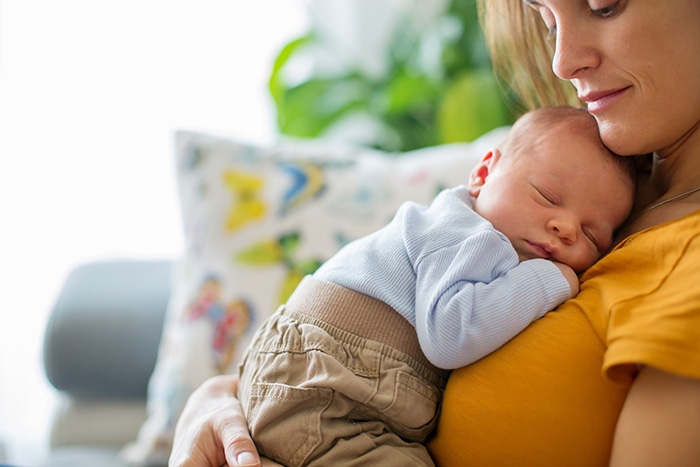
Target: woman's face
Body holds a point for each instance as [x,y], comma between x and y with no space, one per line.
[636,63]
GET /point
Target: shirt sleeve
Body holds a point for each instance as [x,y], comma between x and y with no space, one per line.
[659,325]
[472,293]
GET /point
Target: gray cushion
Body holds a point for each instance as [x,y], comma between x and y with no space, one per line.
[83,456]
[103,332]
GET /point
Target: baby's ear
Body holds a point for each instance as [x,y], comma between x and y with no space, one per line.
[479,174]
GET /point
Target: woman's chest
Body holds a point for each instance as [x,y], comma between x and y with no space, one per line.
[539,400]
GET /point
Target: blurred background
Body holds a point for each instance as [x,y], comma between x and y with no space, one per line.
[91,93]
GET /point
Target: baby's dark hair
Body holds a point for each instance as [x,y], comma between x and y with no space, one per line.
[520,138]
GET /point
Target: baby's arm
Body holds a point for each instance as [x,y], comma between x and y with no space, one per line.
[570,276]
[472,293]
[459,320]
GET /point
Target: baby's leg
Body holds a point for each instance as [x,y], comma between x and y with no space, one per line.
[318,427]
[324,397]
[375,447]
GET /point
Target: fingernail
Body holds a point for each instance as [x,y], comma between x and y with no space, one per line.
[246,458]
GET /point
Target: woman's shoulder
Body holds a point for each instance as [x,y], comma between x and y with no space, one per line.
[658,260]
[650,311]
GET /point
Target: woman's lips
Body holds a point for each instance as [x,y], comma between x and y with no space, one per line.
[600,100]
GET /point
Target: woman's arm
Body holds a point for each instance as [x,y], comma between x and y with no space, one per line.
[660,422]
[212,430]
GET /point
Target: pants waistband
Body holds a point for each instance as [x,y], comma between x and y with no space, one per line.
[358,314]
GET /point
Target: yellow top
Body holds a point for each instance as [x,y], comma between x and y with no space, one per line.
[552,395]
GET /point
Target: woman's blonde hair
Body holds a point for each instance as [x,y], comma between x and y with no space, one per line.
[522,54]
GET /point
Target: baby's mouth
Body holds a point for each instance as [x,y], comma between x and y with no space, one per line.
[540,250]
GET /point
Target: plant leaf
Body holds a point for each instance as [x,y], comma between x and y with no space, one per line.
[472,106]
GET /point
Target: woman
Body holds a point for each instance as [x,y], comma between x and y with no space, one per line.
[614,375]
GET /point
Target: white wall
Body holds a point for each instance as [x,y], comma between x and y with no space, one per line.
[90,93]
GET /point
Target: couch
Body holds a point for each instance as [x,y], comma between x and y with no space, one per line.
[100,348]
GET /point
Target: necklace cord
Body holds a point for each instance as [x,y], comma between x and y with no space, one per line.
[672,198]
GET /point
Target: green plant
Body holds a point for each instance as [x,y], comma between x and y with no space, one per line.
[452,96]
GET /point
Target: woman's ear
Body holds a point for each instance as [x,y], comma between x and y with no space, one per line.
[479,174]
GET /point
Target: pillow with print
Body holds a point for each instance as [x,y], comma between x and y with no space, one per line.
[256,220]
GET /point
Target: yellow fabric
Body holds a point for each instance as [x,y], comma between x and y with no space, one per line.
[552,395]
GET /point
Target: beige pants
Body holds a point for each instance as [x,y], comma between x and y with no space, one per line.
[331,394]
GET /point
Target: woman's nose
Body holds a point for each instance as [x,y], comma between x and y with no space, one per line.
[574,51]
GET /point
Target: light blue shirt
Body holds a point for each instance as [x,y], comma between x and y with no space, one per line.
[451,275]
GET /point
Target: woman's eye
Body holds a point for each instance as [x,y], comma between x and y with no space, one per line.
[606,12]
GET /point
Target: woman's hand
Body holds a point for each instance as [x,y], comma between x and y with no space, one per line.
[212,429]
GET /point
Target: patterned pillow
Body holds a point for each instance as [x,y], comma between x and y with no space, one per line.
[256,221]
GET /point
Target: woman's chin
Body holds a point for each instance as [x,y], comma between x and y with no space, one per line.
[620,138]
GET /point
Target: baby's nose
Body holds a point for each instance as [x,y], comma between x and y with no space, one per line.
[564,229]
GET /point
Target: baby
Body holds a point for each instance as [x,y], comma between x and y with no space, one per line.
[352,369]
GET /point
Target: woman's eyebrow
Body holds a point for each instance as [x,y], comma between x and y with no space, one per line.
[531,3]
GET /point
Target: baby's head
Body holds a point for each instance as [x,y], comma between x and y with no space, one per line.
[554,189]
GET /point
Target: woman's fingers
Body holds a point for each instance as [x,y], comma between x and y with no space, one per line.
[232,429]
[212,429]
[240,449]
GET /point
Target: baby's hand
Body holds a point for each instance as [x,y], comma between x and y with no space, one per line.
[570,276]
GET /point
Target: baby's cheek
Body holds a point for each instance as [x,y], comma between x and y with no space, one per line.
[591,258]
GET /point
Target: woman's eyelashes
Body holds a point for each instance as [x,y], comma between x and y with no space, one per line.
[606,11]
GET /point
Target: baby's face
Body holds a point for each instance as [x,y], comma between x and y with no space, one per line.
[561,202]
